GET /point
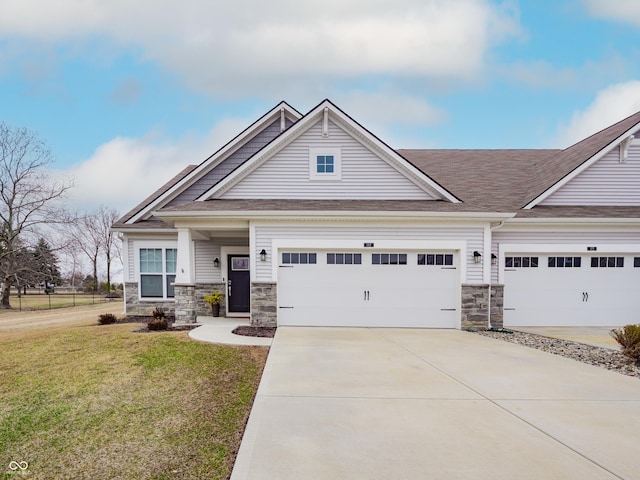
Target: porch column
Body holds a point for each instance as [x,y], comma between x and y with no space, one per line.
[185,289]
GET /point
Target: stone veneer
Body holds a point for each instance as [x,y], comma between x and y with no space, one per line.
[185,297]
[203,289]
[474,306]
[264,304]
[134,306]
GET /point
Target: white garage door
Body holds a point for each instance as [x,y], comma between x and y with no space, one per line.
[571,290]
[380,289]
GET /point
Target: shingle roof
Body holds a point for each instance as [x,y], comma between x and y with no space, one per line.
[485,181]
[559,166]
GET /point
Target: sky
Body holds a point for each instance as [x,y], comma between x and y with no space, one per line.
[128,92]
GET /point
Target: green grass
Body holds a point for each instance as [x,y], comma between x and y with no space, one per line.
[103,402]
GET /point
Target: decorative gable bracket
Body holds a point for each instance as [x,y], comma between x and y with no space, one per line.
[624,148]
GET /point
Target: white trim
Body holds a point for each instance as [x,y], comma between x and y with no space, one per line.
[581,168]
[224,252]
[162,244]
[572,248]
[314,153]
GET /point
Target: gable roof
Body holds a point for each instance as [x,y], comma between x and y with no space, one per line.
[561,168]
[184,179]
[344,121]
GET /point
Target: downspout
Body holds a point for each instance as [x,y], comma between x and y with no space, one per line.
[492,229]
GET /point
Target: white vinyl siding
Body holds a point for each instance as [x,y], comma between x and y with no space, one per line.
[364,175]
[266,234]
[606,182]
[205,253]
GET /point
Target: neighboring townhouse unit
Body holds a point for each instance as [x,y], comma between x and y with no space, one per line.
[312,220]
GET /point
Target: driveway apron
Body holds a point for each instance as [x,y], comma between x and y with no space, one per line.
[351,403]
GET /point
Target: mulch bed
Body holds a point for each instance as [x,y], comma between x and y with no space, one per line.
[249,331]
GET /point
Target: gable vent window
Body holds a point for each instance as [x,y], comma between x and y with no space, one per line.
[607,262]
[294,258]
[325,164]
[565,262]
[521,262]
[389,258]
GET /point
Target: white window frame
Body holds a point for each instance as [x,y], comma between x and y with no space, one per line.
[337,164]
[164,246]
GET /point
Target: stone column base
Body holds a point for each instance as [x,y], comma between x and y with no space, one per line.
[475,306]
[264,304]
[186,306]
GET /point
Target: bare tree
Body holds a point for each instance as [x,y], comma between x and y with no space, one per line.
[28,199]
[92,235]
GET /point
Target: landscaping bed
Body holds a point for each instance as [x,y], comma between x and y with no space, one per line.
[600,357]
[250,331]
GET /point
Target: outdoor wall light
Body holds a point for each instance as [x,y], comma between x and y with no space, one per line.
[494,259]
[263,255]
[216,262]
[477,257]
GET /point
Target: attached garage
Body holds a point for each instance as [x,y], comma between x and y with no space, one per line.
[369,288]
[571,289]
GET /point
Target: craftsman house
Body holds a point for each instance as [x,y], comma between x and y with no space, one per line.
[313,220]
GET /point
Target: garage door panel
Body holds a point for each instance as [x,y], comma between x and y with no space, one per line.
[573,296]
[398,295]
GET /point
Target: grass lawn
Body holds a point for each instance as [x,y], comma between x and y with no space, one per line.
[103,402]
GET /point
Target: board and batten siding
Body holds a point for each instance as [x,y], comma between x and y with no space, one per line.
[266,234]
[364,174]
[560,238]
[230,163]
[606,182]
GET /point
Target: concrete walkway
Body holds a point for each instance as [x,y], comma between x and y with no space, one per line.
[596,336]
[218,330]
[361,403]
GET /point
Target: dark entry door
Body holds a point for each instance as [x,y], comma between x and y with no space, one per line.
[238,284]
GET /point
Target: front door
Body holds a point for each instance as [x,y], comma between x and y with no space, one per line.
[238,284]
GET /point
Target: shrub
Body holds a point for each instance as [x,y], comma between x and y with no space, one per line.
[629,339]
[158,324]
[214,298]
[106,318]
[158,313]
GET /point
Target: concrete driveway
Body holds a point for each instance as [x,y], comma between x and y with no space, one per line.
[347,403]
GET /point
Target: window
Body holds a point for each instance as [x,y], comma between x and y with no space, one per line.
[607,262]
[435,259]
[296,258]
[636,262]
[520,262]
[157,272]
[565,262]
[344,258]
[389,258]
[325,164]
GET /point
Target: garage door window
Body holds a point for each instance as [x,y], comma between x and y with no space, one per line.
[521,262]
[389,258]
[344,258]
[435,259]
[607,262]
[295,258]
[565,262]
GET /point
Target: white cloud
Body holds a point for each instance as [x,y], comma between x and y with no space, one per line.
[626,11]
[610,105]
[124,171]
[239,47]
